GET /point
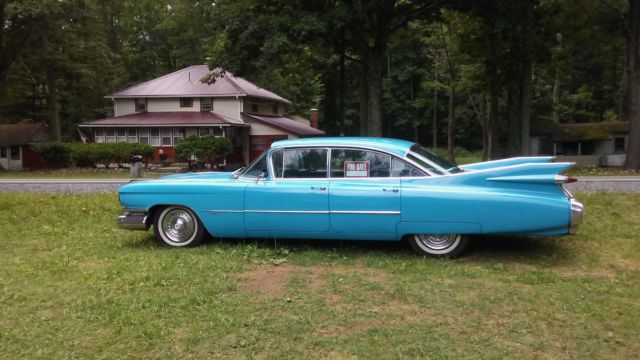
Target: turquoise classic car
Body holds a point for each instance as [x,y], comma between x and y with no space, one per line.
[357,189]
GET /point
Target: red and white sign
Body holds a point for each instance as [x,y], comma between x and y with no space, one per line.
[356,169]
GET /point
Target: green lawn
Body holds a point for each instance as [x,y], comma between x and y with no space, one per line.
[72,285]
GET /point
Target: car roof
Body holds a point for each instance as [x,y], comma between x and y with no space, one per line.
[392,146]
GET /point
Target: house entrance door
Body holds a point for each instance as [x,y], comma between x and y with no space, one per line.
[259,143]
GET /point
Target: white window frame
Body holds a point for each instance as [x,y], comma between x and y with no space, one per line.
[154,140]
[143,133]
[99,135]
[132,138]
[166,133]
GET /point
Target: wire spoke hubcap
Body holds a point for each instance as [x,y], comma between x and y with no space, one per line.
[178,225]
[437,241]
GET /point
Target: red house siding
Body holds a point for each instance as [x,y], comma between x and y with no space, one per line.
[30,159]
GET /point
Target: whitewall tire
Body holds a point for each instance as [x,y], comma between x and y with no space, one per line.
[178,226]
[438,245]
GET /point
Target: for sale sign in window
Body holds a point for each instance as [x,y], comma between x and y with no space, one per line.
[356,169]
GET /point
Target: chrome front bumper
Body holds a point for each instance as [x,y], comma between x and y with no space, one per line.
[577,212]
[133,220]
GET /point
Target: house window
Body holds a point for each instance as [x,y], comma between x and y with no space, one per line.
[204,131]
[141,105]
[275,108]
[111,135]
[206,104]
[144,136]
[132,135]
[15,153]
[154,139]
[122,135]
[177,136]
[99,135]
[618,145]
[254,108]
[3,152]
[192,132]
[166,136]
[186,102]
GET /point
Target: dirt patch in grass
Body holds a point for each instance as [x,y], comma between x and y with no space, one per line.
[270,280]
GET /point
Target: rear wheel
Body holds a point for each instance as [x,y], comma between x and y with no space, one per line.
[178,226]
[438,245]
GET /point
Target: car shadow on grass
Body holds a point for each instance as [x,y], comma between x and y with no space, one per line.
[481,249]
[517,249]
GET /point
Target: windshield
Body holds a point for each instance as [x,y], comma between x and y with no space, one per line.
[431,161]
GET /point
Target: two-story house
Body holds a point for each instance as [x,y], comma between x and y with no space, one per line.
[165,110]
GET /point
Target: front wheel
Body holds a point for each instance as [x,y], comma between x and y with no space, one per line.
[178,226]
[438,245]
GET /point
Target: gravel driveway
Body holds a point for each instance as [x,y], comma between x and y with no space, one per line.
[585,184]
[61,186]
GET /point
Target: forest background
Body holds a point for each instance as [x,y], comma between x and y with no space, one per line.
[470,74]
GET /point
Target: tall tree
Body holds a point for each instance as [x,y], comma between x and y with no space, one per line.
[633,85]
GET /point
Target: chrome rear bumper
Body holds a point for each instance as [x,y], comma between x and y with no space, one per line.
[577,212]
[133,220]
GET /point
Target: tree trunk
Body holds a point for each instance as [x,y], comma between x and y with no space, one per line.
[342,93]
[513,120]
[555,96]
[451,124]
[633,86]
[434,128]
[52,91]
[525,88]
[363,94]
[374,91]
[52,104]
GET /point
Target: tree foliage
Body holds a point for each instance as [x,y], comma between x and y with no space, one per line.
[461,73]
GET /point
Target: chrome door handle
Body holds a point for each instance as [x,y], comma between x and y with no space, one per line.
[391,190]
[321,188]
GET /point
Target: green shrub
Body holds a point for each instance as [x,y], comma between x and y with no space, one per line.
[203,150]
[91,154]
[54,155]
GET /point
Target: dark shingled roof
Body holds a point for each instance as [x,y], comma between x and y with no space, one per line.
[186,82]
[583,131]
[21,134]
[285,124]
[163,119]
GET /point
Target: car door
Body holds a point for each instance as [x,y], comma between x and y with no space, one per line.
[294,198]
[363,197]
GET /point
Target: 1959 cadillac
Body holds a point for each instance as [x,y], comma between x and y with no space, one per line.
[361,189]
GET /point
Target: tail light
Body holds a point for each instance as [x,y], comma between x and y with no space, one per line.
[562,179]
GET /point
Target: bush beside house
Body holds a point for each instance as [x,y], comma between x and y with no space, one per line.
[203,150]
[57,155]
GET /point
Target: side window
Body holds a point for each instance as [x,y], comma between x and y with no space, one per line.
[346,163]
[305,163]
[400,168]
[277,160]
[258,168]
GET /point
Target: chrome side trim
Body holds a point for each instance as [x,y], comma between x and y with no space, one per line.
[577,213]
[360,212]
[288,211]
[365,212]
[133,219]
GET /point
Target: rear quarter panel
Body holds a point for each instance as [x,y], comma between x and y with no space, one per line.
[441,205]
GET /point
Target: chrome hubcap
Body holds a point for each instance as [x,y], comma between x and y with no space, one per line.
[437,241]
[178,225]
